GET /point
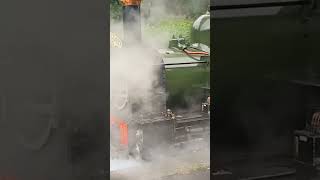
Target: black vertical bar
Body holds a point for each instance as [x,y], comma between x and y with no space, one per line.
[62,45]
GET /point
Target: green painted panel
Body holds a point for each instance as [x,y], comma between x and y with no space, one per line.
[185,85]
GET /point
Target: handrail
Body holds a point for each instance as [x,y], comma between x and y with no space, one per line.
[260,5]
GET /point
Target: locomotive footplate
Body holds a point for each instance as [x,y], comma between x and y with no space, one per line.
[175,128]
[191,126]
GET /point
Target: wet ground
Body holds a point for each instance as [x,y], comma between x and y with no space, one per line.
[202,175]
[245,165]
[190,162]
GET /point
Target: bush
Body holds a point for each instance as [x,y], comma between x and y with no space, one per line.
[172,26]
[115,10]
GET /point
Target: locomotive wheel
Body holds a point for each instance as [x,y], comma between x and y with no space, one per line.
[36,143]
[119,95]
[35,130]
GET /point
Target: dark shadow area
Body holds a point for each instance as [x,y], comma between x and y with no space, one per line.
[265,79]
[54,75]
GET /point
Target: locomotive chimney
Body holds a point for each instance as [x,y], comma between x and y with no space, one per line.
[131,22]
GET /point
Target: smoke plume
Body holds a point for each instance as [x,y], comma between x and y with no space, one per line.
[137,90]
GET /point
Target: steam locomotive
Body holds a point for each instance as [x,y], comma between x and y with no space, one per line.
[179,99]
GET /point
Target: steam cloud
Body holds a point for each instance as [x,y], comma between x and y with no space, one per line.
[136,89]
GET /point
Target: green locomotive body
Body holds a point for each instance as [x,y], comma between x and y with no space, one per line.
[177,94]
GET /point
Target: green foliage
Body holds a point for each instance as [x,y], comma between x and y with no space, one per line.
[115,10]
[188,8]
[173,26]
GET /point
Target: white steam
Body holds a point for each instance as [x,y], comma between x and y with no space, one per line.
[135,71]
[135,74]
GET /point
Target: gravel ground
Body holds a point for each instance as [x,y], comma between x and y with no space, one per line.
[202,175]
[191,162]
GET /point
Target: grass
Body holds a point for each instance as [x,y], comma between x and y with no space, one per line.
[173,26]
